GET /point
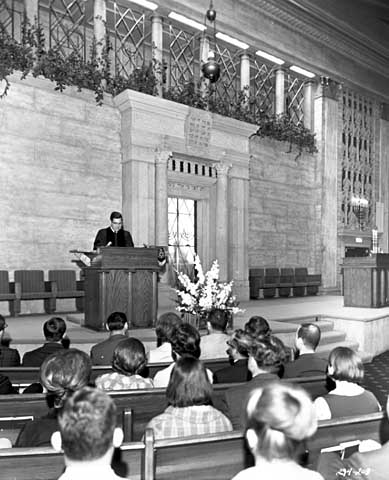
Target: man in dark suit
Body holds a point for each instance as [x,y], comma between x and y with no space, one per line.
[114,235]
[266,357]
[54,331]
[9,357]
[238,352]
[308,362]
[117,325]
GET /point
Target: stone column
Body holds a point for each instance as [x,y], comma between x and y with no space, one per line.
[280,91]
[222,228]
[31,10]
[308,104]
[157,45]
[326,129]
[161,197]
[384,175]
[99,27]
[245,74]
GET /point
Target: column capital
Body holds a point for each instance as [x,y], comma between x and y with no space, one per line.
[329,88]
[162,156]
[222,169]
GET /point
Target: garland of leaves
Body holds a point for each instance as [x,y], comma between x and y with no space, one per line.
[31,57]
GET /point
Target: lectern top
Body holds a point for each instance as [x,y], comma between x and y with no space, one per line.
[127,257]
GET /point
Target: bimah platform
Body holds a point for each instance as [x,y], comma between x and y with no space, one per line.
[365,281]
[122,279]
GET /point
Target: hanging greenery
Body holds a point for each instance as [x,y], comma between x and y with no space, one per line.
[31,57]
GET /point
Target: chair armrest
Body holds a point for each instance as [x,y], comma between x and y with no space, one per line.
[80,285]
[51,286]
[16,288]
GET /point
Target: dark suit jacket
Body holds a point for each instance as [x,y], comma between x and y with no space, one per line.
[236,398]
[106,235]
[35,358]
[9,357]
[372,465]
[238,372]
[101,354]
[306,365]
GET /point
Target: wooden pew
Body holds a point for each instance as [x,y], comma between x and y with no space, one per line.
[45,464]
[215,456]
[27,375]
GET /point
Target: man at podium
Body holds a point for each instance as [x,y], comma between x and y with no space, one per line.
[114,235]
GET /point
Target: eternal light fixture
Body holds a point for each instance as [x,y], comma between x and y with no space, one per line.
[211,69]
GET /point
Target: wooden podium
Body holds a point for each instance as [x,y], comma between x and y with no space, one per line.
[365,281]
[122,279]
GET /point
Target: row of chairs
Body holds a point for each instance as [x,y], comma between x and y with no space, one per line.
[30,285]
[216,456]
[285,280]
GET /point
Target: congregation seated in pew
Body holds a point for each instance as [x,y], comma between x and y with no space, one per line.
[279,418]
[214,345]
[129,367]
[54,331]
[266,358]
[88,435]
[164,327]
[346,369]
[9,357]
[238,352]
[190,410]
[117,325]
[308,362]
[61,374]
[185,340]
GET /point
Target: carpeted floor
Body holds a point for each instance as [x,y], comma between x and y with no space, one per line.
[377,377]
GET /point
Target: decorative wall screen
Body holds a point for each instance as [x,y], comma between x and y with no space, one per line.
[132,35]
[67,26]
[262,80]
[358,172]
[294,96]
[11,15]
[182,231]
[183,53]
[228,85]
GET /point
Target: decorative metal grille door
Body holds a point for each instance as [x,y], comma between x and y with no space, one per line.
[182,231]
[358,172]
[263,81]
[294,95]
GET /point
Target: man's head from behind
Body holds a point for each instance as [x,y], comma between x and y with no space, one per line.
[54,329]
[308,337]
[217,320]
[87,427]
[116,322]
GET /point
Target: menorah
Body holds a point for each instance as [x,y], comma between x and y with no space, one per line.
[360,207]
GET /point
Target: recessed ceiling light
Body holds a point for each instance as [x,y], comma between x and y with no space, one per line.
[146,4]
[232,40]
[302,71]
[270,57]
[187,21]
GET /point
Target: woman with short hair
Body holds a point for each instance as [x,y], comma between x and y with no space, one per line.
[190,410]
[280,417]
[129,365]
[348,398]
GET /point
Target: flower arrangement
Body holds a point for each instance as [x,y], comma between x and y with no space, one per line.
[206,293]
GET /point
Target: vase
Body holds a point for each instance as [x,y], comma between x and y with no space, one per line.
[193,319]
